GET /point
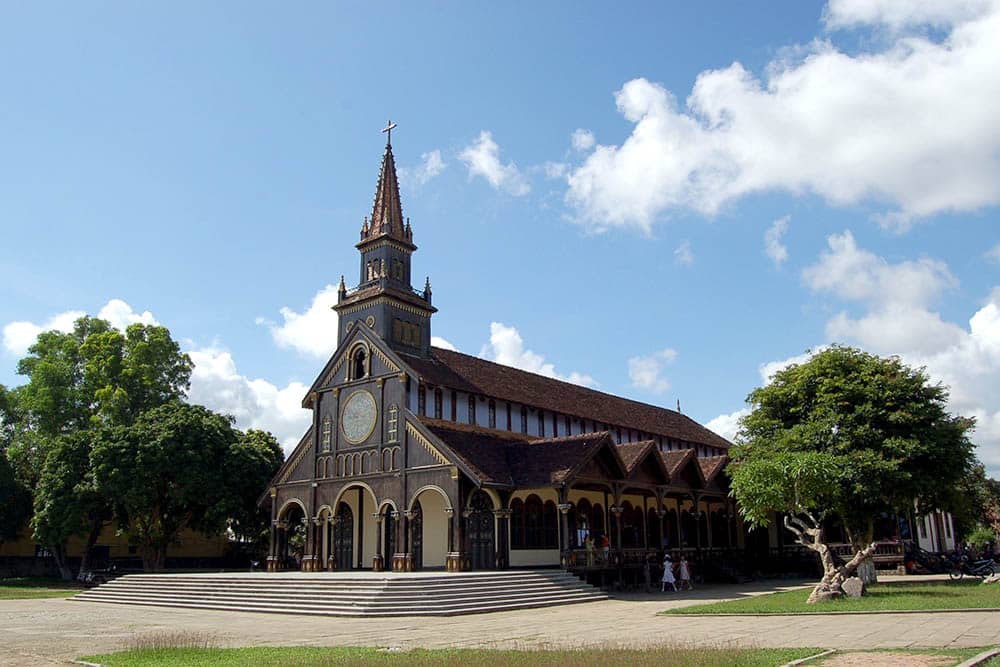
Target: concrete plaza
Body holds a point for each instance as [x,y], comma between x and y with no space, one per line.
[54,631]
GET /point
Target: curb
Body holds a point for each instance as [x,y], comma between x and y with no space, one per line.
[980,659]
[800,661]
[86,664]
[963,610]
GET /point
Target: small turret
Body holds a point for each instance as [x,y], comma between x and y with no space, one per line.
[341,290]
[427,290]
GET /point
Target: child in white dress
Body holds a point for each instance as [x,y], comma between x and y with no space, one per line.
[668,575]
[685,572]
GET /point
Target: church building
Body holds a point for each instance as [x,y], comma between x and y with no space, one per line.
[421,457]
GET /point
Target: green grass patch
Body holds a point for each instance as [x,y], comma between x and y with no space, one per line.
[897,596]
[21,588]
[307,656]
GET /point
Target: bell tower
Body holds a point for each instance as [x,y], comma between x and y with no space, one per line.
[384,298]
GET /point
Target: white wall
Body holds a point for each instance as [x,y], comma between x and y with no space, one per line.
[435,537]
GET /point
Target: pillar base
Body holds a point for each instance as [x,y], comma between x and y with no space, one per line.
[273,564]
[331,562]
[402,562]
[378,564]
[309,564]
[456,561]
[502,563]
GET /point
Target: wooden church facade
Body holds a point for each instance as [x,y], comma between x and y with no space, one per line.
[422,457]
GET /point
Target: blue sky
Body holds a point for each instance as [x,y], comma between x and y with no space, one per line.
[662,201]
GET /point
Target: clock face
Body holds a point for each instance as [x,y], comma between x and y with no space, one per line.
[359,416]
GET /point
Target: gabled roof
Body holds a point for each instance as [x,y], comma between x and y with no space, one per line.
[675,461]
[359,329]
[464,372]
[634,453]
[712,466]
[290,463]
[512,459]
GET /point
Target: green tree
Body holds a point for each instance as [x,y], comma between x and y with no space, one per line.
[850,434]
[166,472]
[251,462]
[79,385]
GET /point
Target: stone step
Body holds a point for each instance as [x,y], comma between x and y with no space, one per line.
[333,590]
[438,610]
[188,596]
[336,594]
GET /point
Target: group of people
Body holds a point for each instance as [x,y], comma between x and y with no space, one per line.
[683,574]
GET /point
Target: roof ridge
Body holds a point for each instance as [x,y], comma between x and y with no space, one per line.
[565,382]
[567,438]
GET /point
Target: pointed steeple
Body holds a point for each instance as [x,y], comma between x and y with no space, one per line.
[387,211]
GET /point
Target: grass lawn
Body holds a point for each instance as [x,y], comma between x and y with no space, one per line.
[897,596]
[306,656]
[20,588]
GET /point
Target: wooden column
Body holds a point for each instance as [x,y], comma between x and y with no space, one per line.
[503,531]
[399,558]
[378,562]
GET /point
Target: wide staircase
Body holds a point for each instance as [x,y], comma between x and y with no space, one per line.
[341,594]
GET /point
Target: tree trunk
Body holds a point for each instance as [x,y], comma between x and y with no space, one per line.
[59,555]
[866,568]
[95,532]
[812,537]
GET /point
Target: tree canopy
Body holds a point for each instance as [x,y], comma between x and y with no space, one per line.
[851,434]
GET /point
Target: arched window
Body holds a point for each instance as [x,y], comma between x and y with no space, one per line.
[472,409]
[550,526]
[581,528]
[534,525]
[340,466]
[541,423]
[386,460]
[493,414]
[524,419]
[438,404]
[422,400]
[454,406]
[358,364]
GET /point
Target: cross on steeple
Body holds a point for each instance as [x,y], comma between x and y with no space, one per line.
[390,126]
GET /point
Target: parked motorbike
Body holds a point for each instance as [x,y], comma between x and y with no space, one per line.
[974,568]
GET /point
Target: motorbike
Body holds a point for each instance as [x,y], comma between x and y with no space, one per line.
[974,568]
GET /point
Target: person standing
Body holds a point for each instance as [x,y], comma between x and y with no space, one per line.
[685,573]
[668,575]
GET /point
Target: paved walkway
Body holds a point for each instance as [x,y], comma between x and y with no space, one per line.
[48,632]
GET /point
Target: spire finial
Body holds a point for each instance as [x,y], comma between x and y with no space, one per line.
[389,127]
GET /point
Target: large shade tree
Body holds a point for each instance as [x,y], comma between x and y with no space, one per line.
[851,435]
[180,467]
[80,385]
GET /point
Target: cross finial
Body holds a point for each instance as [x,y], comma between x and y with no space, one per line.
[389,127]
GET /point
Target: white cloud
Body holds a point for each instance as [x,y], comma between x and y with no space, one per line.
[773,247]
[728,425]
[555,169]
[313,332]
[255,403]
[897,297]
[507,347]
[437,341]
[482,158]
[646,373]
[583,140]
[19,336]
[431,165]
[897,15]
[912,126]
[897,319]
[683,254]
[994,253]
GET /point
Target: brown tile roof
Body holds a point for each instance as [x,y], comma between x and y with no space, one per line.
[676,460]
[633,453]
[501,457]
[711,465]
[472,374]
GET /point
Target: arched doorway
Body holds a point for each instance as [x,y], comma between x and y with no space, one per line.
[388,534]
[343,537]
[292,536]
[481,532]
[417,535]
